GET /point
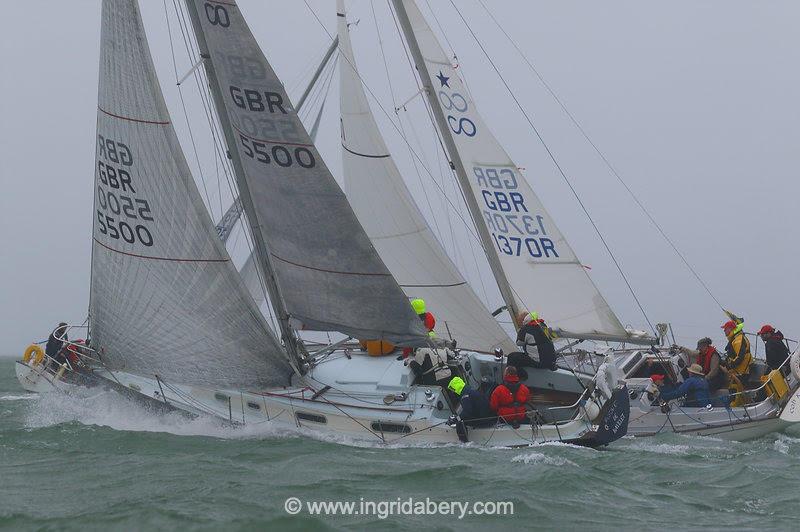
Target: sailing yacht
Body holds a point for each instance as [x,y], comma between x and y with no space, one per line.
[173,325]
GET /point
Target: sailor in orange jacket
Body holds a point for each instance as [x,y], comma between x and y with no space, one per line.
[509,398]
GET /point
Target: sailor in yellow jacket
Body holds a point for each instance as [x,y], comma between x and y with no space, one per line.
[739,358]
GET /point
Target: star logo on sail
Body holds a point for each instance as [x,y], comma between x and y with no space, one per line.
[444,80]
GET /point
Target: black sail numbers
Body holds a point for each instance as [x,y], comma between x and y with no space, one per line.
[121,213]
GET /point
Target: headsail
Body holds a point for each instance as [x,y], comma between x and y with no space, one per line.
[393,221]
[542,270]
[327,273]
[165,297]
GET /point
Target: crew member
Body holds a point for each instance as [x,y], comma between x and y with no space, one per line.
[429,366]
[427,318]
[738,349]
[776,349]
[475,410]
[707,357]
[55,342]
[537,346]
[508,399]
[739,360]
[694,389]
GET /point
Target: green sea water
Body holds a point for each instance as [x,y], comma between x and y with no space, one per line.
[97,462]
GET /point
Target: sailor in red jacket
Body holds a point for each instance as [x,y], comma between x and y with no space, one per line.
[508,399]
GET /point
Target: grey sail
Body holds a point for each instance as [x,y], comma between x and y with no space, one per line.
[329,275]
[165,297]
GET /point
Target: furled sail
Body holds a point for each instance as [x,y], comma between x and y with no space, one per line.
[542,270]
[328,273]
[393,221]
[165,298]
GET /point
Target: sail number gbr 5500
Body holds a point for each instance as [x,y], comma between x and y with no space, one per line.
[120,214]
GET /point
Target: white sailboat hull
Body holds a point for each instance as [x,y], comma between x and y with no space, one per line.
[737,423]
[340,400]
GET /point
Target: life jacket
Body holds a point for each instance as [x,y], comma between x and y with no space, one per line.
[508,400]
[428,319]
[704,358]
[738,351]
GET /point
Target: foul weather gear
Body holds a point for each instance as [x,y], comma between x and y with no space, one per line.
[475,409]
[508,400]
[738,351]
[777,352]
[694,389]
[537,345]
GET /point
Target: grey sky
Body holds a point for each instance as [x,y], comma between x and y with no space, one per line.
[694,103]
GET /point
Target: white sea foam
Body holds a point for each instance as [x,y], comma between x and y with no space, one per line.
[108,409]
[541,458]
[24,397]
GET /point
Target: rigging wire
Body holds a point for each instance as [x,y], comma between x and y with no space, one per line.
[219,148]
[399,119]
[558,167]
[603,157]
[186,116]
[426,104]
[394,125]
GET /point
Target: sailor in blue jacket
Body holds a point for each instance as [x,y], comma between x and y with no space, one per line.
[694,389]
[474,404]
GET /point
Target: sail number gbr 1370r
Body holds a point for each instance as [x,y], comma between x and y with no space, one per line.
[120,214]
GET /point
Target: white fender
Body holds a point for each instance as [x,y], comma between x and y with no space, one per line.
[605,377]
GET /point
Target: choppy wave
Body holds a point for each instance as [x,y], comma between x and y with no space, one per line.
[126,468]
[541,458]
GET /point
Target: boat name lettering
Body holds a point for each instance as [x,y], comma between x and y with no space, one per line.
[120,214]
[114,177]
[456,103]
[256,101]
[114,151]
[535,247]
[243,67]
[524,224]
[217,15]
[267,127]
[280,155]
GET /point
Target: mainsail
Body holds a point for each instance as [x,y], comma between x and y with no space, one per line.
[165,297]
[395,224]
[541,270]
[327,275]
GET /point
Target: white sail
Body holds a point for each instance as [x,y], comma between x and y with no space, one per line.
[327,275]
[541,268]
[395,224]
[165,297]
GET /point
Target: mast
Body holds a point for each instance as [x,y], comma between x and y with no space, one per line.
[457,163]
[262,252]
[315,77]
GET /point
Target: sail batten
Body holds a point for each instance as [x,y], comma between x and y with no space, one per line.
[395,224]
[518,233]
[327,274]
[165,298]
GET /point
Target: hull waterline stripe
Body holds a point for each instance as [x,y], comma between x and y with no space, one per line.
[129,119]
[167,259]
[364,154]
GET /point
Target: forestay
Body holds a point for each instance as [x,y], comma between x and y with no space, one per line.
[544,273]
[396,226]
[329,274]
[165,298]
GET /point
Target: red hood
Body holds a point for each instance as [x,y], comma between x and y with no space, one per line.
[513,379]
